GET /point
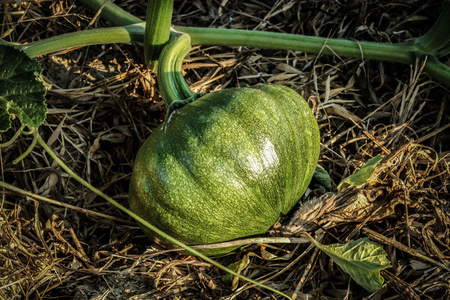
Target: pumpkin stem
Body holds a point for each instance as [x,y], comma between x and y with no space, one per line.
[170,78]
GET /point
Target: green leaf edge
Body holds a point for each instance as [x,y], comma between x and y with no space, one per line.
[363,175]
[370,285]
[7,111]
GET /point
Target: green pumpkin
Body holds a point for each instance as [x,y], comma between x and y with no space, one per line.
[226,166]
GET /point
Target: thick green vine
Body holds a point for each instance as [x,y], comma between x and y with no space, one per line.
[428,48]
[157,30]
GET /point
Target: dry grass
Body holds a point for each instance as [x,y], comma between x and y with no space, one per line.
[103,103]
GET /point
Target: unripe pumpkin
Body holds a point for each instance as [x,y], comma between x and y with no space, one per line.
[226,166]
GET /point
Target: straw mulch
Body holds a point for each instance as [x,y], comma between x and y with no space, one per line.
[103,102]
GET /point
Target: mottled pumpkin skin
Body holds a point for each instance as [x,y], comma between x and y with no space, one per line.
[226,166]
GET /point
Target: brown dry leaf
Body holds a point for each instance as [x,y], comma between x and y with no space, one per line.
[95,146]
[49,184]
[115,138]
[330,93]
[338,110]
[281,77]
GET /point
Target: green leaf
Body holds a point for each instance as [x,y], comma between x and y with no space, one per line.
[363,175]
[322,178]
[22,95]
[361,259]
[236,267]
[5,119]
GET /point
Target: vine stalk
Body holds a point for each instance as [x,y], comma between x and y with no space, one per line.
[157,30]
[432,45]
[405,53]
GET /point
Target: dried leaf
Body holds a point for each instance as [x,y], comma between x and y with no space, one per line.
[336,109]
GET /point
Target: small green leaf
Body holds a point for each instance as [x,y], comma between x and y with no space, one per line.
[5,119]
[361,259]
[22,95]
[228,278]
[322,178]
[362,175]
[236,267]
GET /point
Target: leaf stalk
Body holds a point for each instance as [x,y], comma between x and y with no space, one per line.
[437,36]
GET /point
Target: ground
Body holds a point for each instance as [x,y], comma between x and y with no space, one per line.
[104,102]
